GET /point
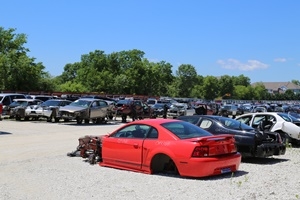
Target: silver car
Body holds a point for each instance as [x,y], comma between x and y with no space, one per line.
[177,109]
[48,109]
[85,109]
[19,106]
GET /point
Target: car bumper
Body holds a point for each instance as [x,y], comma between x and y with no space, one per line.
[266,150]
[209,166]
[38,113]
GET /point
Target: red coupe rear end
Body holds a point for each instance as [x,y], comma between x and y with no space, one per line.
[211,155]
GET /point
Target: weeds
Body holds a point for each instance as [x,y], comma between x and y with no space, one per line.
[238,183]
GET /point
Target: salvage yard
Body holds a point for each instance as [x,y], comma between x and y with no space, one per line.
[34,165]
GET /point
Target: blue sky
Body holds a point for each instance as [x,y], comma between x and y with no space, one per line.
[256,38]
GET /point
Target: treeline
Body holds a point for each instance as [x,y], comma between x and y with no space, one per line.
[124,72]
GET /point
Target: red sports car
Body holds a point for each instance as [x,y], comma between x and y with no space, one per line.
[169,146]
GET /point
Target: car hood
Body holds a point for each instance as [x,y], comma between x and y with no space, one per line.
[71,108]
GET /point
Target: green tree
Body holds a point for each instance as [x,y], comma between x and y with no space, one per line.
[225,85]
[241,80]
[260,92]
[187,78]
[18,71]
[210,88]
[289,95]
[296,82]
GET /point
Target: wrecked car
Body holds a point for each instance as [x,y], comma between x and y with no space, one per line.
[250,142]
[85,109]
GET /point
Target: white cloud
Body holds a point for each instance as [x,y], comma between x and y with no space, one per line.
[248,66]
[280,60]
[155,60]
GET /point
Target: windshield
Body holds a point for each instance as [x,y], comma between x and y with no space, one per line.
[81,103]
[158,105]
[123,102]
[294,114]
[234,124]
[185,130]
[50,103]
[287,117]
[18,103]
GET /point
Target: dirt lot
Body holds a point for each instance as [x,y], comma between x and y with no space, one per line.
[34,165]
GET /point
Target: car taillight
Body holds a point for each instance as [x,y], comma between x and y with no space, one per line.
[233,148]
[200,151]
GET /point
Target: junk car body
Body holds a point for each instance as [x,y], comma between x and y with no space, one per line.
[250,142]
[48,109]
[168,146]
[85,109]
[19,107]
[275,122]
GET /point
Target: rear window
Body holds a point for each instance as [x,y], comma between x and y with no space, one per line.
[19,97]
[43,98]
[185,130]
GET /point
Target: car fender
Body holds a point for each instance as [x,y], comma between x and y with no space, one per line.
[291,129]
[164,149]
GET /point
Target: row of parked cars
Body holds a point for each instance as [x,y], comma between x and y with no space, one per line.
[54,109]
[84,109]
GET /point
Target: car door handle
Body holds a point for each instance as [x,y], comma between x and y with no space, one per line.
[136,145]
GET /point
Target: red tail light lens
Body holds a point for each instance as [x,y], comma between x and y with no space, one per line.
[200,151]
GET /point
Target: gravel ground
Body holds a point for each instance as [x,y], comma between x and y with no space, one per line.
[34,165]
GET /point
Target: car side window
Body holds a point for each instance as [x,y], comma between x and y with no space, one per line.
[6,101]
[245,120]
[103,103]
[153,134]
[132,131]
[95,104]
[205,123]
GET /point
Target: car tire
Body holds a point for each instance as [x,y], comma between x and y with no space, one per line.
[124,118]
[284,137]
[79,121]
[49,119]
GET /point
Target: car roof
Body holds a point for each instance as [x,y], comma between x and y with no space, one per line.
[260,113]
[156,121]
[90,99]
[27,100]
[7,94]
[59,100]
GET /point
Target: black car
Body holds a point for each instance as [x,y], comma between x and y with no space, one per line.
[230,110]
[159,109]
[250,142]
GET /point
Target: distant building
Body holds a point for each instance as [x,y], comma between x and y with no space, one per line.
[279,87]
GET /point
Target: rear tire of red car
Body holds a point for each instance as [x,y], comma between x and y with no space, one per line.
[162,163]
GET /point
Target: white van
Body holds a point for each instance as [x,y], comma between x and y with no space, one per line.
[7,98]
